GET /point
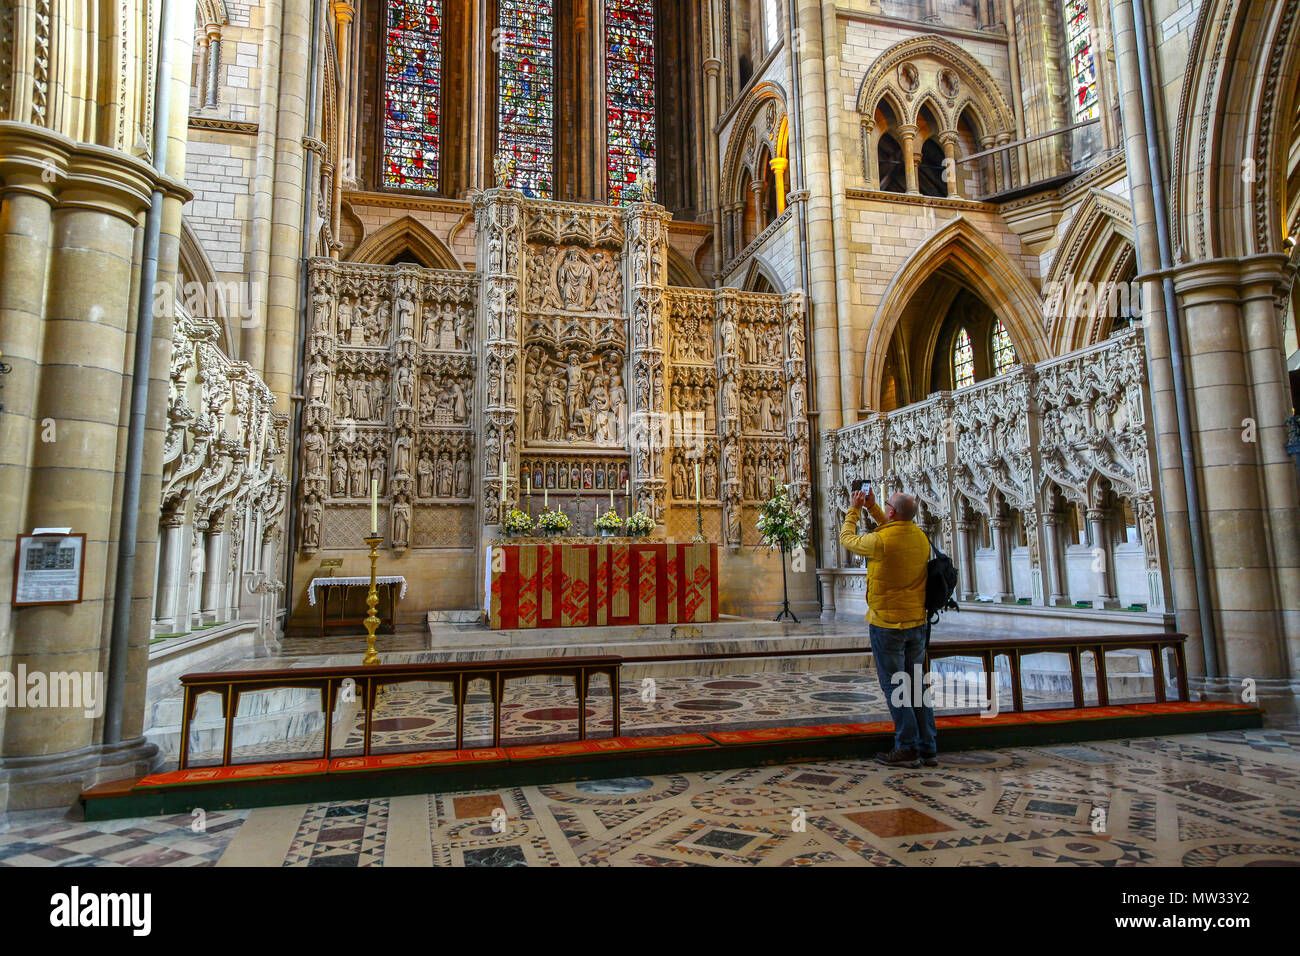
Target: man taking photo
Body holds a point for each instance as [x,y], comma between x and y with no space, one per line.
[897,553]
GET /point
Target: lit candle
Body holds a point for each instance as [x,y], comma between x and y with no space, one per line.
[528,479]
[611,497]
[546,497]
[505,478]
[697,482]
[627,499]
[374,507]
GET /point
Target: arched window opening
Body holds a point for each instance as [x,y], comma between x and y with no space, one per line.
[963,360]
[771,24]
[629,91]
[413,94]
[1083,68]
[1004,352]
[889,156]
[931,173]
[526,94]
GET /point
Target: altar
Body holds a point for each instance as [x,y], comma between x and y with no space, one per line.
[580,582]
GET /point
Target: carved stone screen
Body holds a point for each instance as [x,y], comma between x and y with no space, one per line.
[390,392]
[565,363]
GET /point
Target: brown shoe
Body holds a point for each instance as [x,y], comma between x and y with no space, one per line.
[930,760]
[898,758]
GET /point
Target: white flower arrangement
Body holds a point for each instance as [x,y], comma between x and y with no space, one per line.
[780,523]
[609,521]
[638,523]
[517,522]
[552,520]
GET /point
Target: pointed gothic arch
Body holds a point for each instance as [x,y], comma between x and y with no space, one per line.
[1096,257]
[975,85]
[1234,131]
[406,235]
[965,253]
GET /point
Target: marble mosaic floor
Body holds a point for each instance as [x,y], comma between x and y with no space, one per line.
[1219,799]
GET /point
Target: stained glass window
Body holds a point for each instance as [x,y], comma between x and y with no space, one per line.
[1004,353]
[1083,68]
[963,361]
[629,91]
[412,93]
[526,94]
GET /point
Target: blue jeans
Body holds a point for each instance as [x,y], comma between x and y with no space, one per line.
[902,651]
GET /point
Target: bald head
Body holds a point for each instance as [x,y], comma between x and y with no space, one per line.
[903,507]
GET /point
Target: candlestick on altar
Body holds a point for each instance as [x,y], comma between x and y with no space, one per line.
[372,602]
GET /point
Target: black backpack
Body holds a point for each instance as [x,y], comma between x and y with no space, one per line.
[940,582]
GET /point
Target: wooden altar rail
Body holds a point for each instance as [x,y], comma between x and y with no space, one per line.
[988,650]
[230,685]
[1074,647]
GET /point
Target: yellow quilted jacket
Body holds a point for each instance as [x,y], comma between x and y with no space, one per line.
[896,553]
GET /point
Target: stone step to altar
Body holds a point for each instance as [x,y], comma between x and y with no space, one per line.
[778,642]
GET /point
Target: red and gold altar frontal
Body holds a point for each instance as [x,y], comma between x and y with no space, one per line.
[586,584]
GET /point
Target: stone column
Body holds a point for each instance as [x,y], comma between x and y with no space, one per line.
[67,303]
[1250,499]
[645,279]
[213,61]
[870,161]
[1103,561]
[1056,596]
[756,190]
[989,165]
[165,617]
[908,134]
[1002,589]
[949,141]
[966,559]
[213,564]
[1004,160]
[712,97]
[500,230]
[343,13]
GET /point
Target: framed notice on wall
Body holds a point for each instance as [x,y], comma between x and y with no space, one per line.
[48,569]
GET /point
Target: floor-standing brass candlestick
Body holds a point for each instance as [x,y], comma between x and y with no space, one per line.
[372,602]
[699,523]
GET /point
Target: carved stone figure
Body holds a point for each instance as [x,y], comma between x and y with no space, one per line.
[345,321]
[575,278]
[444,476]
[405,386]
[311,513]
[357,475]
[711,478]
[401,456]
[317,376]
[313,444]
[401,523]
[339,477]
[377,468]
[405,309]
[462,476]
[425,472]
[679,478]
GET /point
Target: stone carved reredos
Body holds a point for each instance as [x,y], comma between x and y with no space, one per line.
[1067,424]
[580,352]
[390,385]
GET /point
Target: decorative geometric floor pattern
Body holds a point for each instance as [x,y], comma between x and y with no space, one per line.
[45,839]
[1221,799]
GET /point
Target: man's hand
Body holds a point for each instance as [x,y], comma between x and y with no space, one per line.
[858,499]
[870,498]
